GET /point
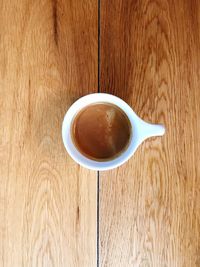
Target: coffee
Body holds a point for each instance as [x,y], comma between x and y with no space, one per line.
[101,131]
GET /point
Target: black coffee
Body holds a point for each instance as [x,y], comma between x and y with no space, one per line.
[101,131]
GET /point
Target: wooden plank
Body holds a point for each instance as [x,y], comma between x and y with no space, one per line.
[48,59]
[150,207]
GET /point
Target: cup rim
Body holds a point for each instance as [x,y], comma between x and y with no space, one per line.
[78,156]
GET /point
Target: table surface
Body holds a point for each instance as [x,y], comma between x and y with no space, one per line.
[54,212]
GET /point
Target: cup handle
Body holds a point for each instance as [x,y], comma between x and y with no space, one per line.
[146,130]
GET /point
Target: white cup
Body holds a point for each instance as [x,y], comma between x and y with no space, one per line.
[141,130]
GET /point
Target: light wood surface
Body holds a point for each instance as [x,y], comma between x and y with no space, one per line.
[48,59]
[150,207]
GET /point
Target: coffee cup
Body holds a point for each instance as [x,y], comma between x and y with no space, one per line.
[140,131]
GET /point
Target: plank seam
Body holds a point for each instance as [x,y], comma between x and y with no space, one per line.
[99,90]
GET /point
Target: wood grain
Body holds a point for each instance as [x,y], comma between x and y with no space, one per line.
[150,207]
[48,59]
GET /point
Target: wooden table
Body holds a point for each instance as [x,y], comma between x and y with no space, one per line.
[56,213]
